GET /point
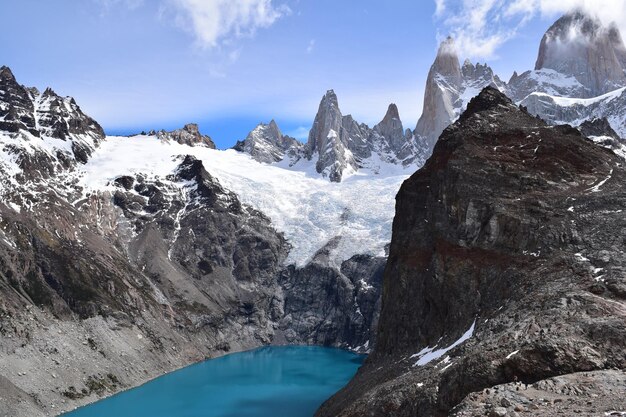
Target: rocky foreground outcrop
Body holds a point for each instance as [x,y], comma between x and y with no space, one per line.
[506,280]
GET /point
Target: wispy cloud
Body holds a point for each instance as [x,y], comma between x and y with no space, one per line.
[311,46]
[109,5]
[481,27]
[440,7]
[213,22]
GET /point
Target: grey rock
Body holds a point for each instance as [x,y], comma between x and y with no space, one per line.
[189,135]
[267,144]
[586,392]
[448,88]
[581,46]
[501,232]
[498,412]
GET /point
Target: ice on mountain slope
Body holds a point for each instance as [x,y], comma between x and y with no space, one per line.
[574,111]
[309,209]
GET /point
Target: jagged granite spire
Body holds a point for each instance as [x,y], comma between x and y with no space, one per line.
[391,128]
[581,46]
[441,95]
[325,140]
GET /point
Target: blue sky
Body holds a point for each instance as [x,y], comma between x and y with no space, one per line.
[229,64]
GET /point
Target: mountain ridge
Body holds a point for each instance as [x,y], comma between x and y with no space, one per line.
[497,258]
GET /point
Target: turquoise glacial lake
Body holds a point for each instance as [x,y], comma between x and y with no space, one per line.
[267,382]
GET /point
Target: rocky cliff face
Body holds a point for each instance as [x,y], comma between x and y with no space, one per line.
[579,75]
[505,268]
[579,45]
[448,89]
[104,288]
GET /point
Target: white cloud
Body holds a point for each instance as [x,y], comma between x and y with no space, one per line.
[440,7]
[213,22]
[311,46]
[480,27]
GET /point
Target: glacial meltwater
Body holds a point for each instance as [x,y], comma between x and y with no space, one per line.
[267,382]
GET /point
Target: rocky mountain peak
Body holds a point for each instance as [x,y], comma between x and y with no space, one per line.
[325,139]
[443,91]
[489,99]
[508,216]
[330,99]
[189,135]
[391,128]
[392,114]
[581,46]
[273,126]
[266,143]
[6,74]
[447,62]
[49,92]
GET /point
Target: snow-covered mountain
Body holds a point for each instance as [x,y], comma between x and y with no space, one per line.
[134,256]
[339,146]
[580,74]
[267,144]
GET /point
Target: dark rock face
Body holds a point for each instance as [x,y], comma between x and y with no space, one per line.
[199,238]
[189,135]
[506,261]
[332,306]
[598,127]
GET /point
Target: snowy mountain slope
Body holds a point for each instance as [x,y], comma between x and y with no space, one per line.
[133,256]
[574,111]
[307,208]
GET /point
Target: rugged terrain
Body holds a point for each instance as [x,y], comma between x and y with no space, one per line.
[506,270]
[338,145]
[579,75]
[122,258]
[110,277]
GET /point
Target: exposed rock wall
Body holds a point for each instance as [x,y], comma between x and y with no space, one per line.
[506,264]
